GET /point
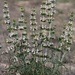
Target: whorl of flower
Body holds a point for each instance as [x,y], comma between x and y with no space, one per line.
[23,29]
[22,25]
[50,9]
[66,37]
[50,4]
[34,33]
[25,37]
[14,26]
[43,15]
[69,31]
[50,13]
[12,30]
[24,34]
[33,24]
[13,33]
[43,20]
[6,13]
[21,20]
[7,18]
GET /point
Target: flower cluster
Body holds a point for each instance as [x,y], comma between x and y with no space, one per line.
[66,38]
[6,13]
[34,34]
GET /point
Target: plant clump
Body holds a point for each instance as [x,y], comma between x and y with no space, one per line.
[28,53]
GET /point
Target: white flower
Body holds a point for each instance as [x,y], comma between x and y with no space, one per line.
[12,33]
[24,38]
[12,47]
[18,52]
[29,45]
[61,44]
[50,44]
[26,43]
[21,19]
[6,5]
[32,17]
[8,48]
[36,27]
[36,38]
[22,14]
[51,14]
[9,40]
[66,33]
[71,42]
[15,27]
[33,50]
[70,22]
[30,22]
[70,28]
[33,12]
[20,27]
[45,58]
[68,48]
[6,15]
[34,45]
[30,27]
[37,59]
[62,36]
[28,61]
[24,50]
[20,38]
[49,7]
[59,48]
[37,51]
[43,12]
[43,6]
[6,51]
[35,22]
[54,11]
[28,50]
[3,52]
[5,10]
[24,32]
[42,26]
[13,50]
[7,21]
[44,44]
[53,5]
[15,59]
[45,53]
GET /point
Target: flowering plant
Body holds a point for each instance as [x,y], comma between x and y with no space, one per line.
[30,53]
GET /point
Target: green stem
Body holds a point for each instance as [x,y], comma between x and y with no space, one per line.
[70,62]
